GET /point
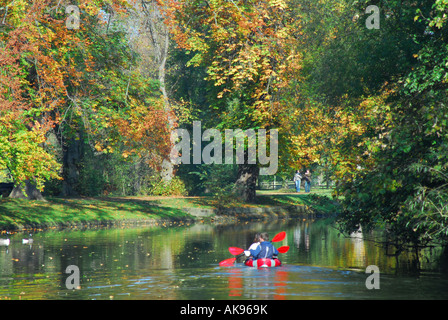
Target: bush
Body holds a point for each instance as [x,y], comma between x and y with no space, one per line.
[174,187]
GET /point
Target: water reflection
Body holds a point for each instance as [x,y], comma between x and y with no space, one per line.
[249,283]
[235,282]
[358,253]
[320,243]
[182,263]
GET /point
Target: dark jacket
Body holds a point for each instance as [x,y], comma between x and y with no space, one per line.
[307,177]
[264,250]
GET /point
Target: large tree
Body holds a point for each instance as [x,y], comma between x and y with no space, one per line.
[78,82]
[246,48]
[401,183]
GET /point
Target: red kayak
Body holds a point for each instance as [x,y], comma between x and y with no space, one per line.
[263,263]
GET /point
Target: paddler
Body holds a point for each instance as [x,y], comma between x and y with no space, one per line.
[262,249]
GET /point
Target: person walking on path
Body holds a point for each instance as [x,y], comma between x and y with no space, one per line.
[307,179]
[297,180]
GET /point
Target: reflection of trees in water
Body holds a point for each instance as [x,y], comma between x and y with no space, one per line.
[358,249]
[96,249]
[172,257]
[320,243]
[253,283]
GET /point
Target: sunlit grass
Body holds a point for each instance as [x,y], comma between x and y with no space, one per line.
[55,211]
[16,213]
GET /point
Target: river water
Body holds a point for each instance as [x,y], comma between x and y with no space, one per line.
[180,262]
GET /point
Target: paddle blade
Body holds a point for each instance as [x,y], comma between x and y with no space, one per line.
[283,249]
[279,237]
[227,262]
[235,251]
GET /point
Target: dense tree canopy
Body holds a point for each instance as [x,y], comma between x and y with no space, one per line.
[94,106]
[81,84]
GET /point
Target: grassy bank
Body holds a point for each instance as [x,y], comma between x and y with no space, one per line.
[319,199]
[19,214]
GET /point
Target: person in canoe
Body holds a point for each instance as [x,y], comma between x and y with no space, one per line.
[261,249]
[253,246]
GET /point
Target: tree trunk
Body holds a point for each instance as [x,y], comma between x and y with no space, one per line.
[6,188]
[167,166]
[160,43]
[31,192]
[72,151]
[246,183]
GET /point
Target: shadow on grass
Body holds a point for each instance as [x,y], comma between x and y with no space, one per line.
[16,213]
[171,202]
[320,202]
[283,199]
[119,208]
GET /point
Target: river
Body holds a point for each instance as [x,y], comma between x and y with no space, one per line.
[180,262]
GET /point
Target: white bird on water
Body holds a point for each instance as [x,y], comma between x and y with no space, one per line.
[5,242]
[27,241]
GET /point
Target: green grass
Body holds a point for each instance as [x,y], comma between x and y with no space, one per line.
[320,199]
[16,213]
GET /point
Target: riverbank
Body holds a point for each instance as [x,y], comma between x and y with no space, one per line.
[16,214]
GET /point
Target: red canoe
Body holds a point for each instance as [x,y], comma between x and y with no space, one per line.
[263,263]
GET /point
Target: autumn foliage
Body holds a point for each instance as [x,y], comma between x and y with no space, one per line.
[54,78]
[247,47]
[365,106]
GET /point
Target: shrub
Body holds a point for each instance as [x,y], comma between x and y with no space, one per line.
[174,187]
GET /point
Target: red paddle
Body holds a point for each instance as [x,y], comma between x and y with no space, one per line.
[227,262]
[283,249]
[237,251]
[279,237]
